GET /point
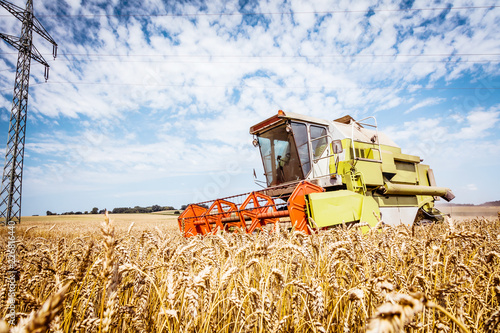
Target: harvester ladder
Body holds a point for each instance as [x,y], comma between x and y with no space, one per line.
[357,182]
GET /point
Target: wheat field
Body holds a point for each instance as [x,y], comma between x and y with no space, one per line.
[435,278]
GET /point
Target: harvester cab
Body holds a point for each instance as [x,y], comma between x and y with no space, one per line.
[323,173]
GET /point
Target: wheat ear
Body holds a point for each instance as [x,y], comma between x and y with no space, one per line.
[40,320]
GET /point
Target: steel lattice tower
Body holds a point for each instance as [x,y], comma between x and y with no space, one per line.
[10,195]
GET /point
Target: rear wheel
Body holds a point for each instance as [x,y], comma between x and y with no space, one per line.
[428,215]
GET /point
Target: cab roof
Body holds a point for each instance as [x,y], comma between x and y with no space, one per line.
[281,117]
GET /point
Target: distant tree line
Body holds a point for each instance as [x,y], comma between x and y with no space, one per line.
[138,209]
[491,203]
[183,207]
[119,210]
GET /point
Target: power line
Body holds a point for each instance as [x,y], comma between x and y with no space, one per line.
[265,87]
[31,85]
[365,11]
[289,62]
[455,58]
[258,87]
[493,61]
[182,85]
[274,56]
[311,62]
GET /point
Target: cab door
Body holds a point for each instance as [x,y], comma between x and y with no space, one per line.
[319,150]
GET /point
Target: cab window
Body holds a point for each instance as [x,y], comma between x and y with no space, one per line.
[319,141]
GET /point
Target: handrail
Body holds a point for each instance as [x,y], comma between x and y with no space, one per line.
[376,133]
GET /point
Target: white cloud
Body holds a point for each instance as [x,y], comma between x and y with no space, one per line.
[479,124]
[425,103]
[473,126]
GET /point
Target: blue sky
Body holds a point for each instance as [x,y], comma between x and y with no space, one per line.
[150,102]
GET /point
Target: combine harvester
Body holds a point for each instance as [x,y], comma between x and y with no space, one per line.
[323,173]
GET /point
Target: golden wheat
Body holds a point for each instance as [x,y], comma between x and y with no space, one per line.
[438,278]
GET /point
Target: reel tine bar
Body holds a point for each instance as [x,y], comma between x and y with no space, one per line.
[254,212]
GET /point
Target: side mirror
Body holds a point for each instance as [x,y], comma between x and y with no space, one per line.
[337,147]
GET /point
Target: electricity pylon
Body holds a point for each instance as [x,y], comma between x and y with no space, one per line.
[10,195]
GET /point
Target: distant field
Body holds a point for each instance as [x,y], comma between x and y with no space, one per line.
[86,225]
[466,212]
[166,221]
